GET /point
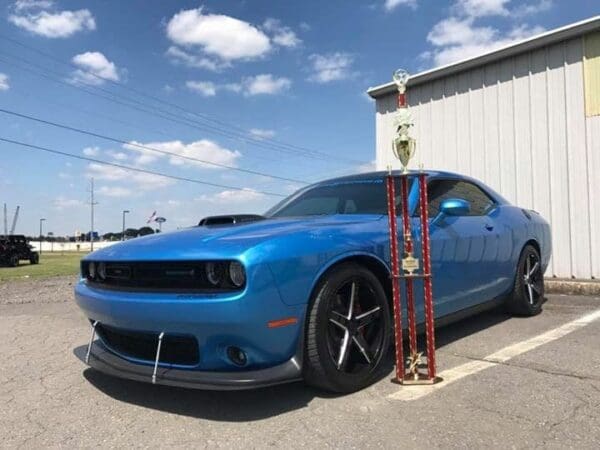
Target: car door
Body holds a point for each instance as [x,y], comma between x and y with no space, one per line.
[464,248]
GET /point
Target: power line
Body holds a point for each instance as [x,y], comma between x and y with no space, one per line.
[241,134]
[169,117]
[145,147]
[134,169]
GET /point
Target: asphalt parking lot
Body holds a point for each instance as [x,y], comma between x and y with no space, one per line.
[544,395]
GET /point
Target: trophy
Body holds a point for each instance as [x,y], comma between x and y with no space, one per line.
[409,268]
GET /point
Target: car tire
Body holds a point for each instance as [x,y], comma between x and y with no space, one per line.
[348,330]
[34,258]
[527,296]
[13,260]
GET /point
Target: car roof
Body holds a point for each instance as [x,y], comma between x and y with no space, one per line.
[377,175]
[382,173]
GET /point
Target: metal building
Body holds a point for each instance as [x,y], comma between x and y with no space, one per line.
[525,119]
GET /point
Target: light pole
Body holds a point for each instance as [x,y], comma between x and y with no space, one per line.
[41,220]
[126,211]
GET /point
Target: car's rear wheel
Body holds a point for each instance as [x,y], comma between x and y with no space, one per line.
[348,330]
[528,292]
[13,260]
[34,258]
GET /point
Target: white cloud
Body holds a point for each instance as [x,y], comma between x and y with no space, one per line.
[23,5]
[393,4]
[533,8]
[232,196]
[91,151]
[61,203]
[482,8]
[179,56]
[259,133]
[95,69]
[367,167]
[59,24]
[141,181]
[460,36]
[223,37]
[4,86]
[265,84]
[203,149]
[331,67]
[281,35]
[457,39]
[115,191]
[117,156]
[204,88]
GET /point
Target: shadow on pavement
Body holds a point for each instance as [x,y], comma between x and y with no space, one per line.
[226,406]
[249,405]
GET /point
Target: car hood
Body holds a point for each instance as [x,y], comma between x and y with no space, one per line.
[226,241]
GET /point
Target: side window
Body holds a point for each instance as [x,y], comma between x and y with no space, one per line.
[480,202]
[440,190]
[437,192]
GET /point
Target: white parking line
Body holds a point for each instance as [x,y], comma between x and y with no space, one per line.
[408,393]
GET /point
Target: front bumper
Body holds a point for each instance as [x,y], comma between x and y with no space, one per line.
[102,359]
[215,322]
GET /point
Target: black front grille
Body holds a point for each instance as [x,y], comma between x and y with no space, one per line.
[181,350]
[158,276]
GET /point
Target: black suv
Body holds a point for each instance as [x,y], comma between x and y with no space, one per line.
[15,247]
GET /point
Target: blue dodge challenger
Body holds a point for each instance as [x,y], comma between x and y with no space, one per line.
[304,291]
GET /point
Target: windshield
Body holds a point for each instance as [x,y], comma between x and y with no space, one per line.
[366,196]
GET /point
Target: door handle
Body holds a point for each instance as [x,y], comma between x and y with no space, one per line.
[489,227]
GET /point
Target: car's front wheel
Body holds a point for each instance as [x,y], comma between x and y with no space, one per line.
[34,258]
[528,292]
[348,330]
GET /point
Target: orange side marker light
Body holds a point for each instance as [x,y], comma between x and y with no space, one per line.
[282,322]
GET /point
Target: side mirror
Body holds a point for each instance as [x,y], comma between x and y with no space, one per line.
[452,207]
[455,207]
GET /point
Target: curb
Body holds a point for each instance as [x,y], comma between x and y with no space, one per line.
[572,287]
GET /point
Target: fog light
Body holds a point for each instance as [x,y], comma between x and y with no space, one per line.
[237,356]
[237,274]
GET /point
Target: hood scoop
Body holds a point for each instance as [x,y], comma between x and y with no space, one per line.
[231,219]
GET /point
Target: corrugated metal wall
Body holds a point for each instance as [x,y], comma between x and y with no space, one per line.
[519,125]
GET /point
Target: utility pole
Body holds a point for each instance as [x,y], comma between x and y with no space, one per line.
[41,221]
[123,234]
[5,221]
[92,204]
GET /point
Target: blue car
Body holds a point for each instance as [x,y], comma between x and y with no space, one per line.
[304,291]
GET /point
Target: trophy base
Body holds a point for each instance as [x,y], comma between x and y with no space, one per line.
[421,379]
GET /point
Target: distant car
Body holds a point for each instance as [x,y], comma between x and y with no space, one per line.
[305,292]
[14,248]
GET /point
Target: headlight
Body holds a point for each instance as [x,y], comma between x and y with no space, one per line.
[237,274]
[214,273]
[102,270]
[92,270]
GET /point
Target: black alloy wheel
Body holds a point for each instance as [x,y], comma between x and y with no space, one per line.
[348,330]
[528,293]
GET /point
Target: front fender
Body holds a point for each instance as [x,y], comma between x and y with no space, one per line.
[297,267]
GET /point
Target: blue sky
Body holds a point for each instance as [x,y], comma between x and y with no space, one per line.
[275,87]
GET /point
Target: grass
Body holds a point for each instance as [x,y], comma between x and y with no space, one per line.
[51,265]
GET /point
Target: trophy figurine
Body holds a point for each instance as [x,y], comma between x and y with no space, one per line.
[403,145]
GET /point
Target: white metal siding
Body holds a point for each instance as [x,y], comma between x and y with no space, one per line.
[519,125]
